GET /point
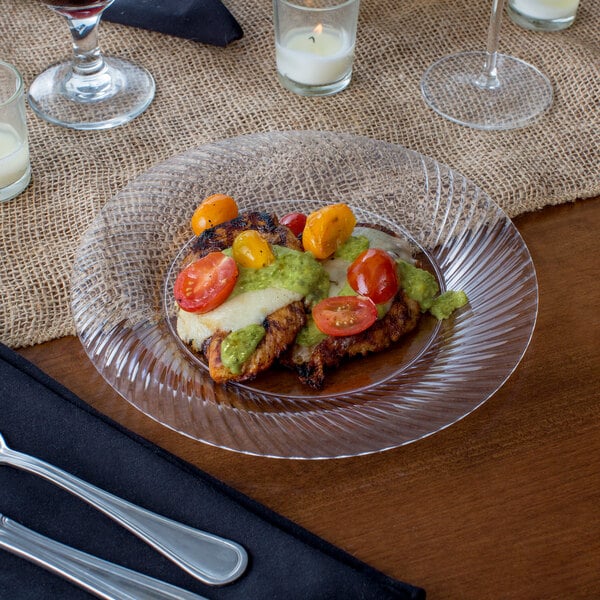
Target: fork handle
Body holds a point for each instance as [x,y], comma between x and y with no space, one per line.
[208,557]
[100,577]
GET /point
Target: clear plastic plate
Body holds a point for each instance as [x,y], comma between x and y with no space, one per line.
[124,269]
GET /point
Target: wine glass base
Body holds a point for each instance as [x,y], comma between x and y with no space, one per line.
[126,91]
[450,88]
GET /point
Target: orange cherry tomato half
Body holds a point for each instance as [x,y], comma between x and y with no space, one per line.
[214,210]
[206,283]
[295,221]
[251,250]
[327,229]
[373,274]
[344,315]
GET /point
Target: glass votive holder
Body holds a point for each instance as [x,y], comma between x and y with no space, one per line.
[314,44]
[542,15]
[15,169]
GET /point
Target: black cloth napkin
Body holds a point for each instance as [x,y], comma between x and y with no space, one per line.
[38,416]
[206,21]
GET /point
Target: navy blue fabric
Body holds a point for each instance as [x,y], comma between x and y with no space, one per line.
[38,416]
[206,21]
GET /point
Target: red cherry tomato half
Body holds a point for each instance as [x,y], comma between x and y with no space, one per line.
[373,274]
[206,283]
[344,315]
[295,221]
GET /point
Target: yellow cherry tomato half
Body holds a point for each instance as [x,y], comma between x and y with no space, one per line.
[327,229]
[214,210]
[251,250]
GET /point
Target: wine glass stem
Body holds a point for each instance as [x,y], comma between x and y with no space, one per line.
[87,58]
[89,80]
[489,77]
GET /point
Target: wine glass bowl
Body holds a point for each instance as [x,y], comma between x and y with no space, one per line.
[485,89]
[90,91]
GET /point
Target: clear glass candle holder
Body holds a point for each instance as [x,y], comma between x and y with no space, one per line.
[543,15]
[314,44]
[15,169]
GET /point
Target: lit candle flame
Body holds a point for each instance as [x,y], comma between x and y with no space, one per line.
[318,29]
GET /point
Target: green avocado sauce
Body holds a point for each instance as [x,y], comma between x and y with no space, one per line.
[239,345]
[310,335]
[346,290]
[420,285]
[352,248]
[292,270]
[445,304]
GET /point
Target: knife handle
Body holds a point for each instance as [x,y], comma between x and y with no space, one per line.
[208,557]
[100,577]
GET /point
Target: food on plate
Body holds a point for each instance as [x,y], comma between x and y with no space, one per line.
[306,292]
[251,250]
[206,283]
[312,356]
[214,210]
[296,221]
[373,274]
[269,296]
[327,229]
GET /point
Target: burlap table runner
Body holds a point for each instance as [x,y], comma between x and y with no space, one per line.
[206,93]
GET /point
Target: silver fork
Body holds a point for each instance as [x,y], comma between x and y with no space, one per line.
[100,577]
[208,557]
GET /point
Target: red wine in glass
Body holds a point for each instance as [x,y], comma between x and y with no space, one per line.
[78,9]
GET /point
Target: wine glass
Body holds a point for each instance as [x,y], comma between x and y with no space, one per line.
[90,91]
[487,90]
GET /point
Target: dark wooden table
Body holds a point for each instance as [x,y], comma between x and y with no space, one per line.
[505,504]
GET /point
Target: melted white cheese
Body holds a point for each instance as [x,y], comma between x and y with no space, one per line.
[240,311]
[398,247]
[337,271]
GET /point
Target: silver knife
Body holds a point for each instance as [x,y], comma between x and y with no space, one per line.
[208,557]
[99,577]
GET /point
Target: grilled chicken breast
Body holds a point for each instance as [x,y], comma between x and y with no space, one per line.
[281,326]
[312,363]
[220,237]
[284,318]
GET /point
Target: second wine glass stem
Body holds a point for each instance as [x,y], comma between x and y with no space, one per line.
[489,76]
[87,58]
[90,79]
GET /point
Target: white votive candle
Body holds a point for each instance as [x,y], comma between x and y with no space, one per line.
[546,9]
[14,155]
[315,56]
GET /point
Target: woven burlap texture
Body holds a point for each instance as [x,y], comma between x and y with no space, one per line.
[206,93]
